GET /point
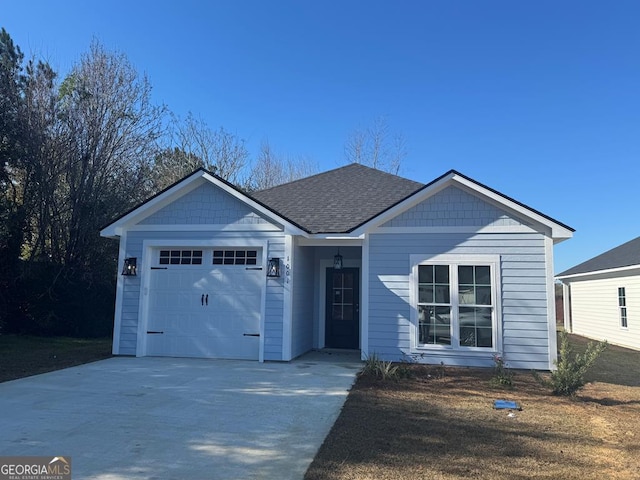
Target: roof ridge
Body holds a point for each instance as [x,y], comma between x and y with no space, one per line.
[333,170]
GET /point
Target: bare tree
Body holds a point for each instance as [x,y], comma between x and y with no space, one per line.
[192,145]
[108,135]
[376,146]
[271,169]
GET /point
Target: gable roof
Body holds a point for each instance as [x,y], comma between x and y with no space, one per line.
[347,200]
[183,186]
[558,231]
[625,255]
[339,200]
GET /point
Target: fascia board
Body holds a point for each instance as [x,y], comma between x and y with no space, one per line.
[557,232]
[289,228]
[597,274]
[152,205]
[187,185]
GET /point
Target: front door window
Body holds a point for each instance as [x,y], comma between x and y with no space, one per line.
[342,307]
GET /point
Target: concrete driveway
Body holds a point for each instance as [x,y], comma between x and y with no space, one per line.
[167,418]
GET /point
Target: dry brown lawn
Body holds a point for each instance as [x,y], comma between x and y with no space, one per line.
[440,424]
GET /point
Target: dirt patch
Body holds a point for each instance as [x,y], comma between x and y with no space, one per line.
[445,427]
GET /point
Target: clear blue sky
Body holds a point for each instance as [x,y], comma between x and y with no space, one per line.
[537,99]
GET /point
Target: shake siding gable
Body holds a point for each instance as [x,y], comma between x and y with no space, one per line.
[453,207]
[205,205]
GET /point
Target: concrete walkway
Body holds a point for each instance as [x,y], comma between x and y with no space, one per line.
[167,418]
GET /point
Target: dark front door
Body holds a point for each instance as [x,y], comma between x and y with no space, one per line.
[343,308]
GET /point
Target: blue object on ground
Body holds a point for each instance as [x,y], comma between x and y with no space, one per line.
[506,404]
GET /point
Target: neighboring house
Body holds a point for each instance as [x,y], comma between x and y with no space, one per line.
[602,296]
[352,258]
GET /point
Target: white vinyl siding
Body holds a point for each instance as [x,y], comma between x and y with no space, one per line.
[595,310]
[523,302]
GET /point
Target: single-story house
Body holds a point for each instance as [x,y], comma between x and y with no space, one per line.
[353,258]
[602,296]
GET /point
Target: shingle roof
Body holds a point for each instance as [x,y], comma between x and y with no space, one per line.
[625,255]
[339,200]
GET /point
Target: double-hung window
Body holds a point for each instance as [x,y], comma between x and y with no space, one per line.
[455,302]
[622,306]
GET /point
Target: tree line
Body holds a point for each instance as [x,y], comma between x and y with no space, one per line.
[79,150]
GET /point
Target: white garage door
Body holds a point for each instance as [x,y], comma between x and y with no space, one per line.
[205,303]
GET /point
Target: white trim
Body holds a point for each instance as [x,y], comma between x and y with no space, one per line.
[232,227]
[551,304]
[263,303]
[598,273]
[557,231]
[322,310]
[148,247]
[364,300]
[494,261]
[117,320]
[143,305]
[478,229]
[287,307]
[566,306]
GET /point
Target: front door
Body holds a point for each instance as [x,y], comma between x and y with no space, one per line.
[343,308]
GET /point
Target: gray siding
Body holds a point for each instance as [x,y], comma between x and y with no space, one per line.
[524,304]
[453,207]
[131,287]
[206,205]
[303,277]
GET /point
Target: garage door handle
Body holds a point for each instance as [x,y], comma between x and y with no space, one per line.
[204,299]
[251,334]
[153,331]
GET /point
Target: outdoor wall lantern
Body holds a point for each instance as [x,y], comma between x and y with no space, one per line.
[337,261]
[130,267]
[273,269]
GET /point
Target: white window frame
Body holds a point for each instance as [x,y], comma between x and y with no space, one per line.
[623,310]
[454,261]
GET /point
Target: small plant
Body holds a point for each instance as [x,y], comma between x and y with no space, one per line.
[383,369]
[568,378]
[502,375]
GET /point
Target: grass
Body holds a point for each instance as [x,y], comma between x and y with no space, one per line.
[443,427]
[23,356]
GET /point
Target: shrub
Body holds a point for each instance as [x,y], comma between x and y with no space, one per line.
[569,376]
[502,375]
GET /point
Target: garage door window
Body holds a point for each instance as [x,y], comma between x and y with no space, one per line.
[180,257]
[235,257]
